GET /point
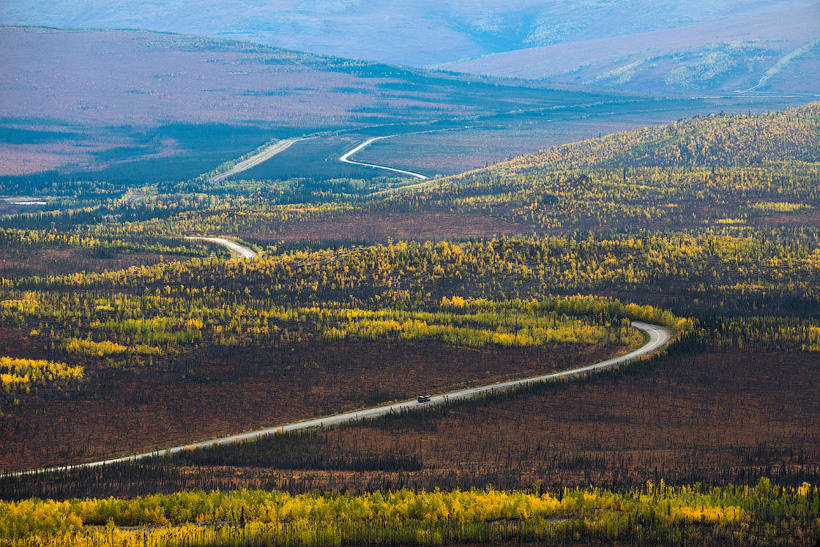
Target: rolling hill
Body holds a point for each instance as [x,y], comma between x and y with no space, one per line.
[774,50]
[135,105]
[636,45]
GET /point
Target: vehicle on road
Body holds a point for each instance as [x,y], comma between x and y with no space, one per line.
[658,337]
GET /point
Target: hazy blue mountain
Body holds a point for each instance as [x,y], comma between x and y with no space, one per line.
[133,101]
[639,45]
[772,49]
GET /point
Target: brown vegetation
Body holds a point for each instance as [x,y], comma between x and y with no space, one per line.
[206,346]
[377,226]
[712,417]
[223,392]
[26,262]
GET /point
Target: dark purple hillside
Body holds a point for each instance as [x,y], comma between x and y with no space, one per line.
[140,105]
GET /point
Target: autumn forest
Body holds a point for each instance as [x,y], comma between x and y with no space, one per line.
[122,332]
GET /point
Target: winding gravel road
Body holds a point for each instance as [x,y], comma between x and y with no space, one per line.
[237,250]
[658,337]
[345,158]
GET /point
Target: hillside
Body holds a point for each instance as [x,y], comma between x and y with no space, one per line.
[256,292]
[773,50]
[136,105]
[713,140]
[639,45]
[700,171]
[731,171]
[118,330]
[391,31]
[715,170]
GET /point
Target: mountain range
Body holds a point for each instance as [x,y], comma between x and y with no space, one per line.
[644,46]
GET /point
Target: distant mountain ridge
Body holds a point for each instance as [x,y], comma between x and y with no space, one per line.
[636,45]
[84,100]
[772,50]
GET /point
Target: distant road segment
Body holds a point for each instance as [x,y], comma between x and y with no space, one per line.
[237,250]
[345,158]
[658,337]
[264,155]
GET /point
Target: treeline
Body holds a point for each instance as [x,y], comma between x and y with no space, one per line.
[624,199]
[649,198]
[21,239]
[711,140]
[293,294]
[132,328]
[781,333]
[20,374]
[52,184]
[655,513]
[721,270]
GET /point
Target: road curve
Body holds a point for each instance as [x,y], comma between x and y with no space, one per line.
[658,337]
[345,158]
[237,250]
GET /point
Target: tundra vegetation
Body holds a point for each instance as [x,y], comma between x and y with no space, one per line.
[118,335]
